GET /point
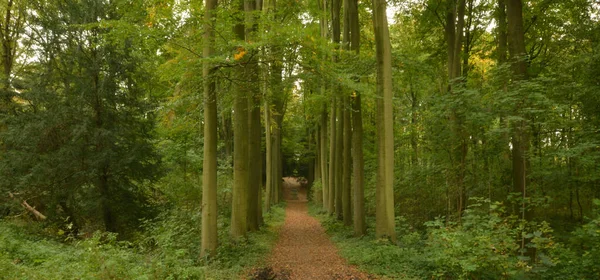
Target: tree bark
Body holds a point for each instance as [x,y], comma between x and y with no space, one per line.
[501,29]
[332,160]
[516,48]
[10,30]
[323,152]
[324,167]
[239,208]
[339,167]
[384,216]
[269,158]
[360,227]
[346,183]
[209,166]
[254,154]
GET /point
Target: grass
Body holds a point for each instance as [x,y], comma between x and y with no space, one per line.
[25,254]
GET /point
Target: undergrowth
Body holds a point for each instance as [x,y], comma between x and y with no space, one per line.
[485,245]
[168,249]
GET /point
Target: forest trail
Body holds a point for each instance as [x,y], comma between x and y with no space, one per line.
[304,250]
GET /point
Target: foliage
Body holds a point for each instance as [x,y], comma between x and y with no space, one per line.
[169,249]
[485,246]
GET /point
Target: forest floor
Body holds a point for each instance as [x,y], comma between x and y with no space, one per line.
[304,250]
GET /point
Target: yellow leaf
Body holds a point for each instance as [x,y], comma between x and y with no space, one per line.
[240,54]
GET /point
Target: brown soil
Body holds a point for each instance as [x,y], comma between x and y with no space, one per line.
[303,250]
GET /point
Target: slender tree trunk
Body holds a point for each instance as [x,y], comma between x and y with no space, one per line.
[346,183]
[346,133]
[323,165]
[269,158]
[501,29]
[385,224]
[450,35]
[337,172]
[413,125]
[516,48]
[332,160]
[227,133]
[209,165]
[10,31]
[339,167]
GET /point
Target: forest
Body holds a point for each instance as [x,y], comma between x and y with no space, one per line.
[300,139]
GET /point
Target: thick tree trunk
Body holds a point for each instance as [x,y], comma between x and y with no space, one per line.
[254,127]
[239,208]
[209,166]
[385,227]
[360,227]
[254,156]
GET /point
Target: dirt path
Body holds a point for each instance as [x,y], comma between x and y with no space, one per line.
[303,250]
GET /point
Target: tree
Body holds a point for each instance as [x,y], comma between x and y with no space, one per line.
[209,167]
[254,126]
[385,227]
[516,50]
[357,131]
[241,176]
[11,29]
[88,116]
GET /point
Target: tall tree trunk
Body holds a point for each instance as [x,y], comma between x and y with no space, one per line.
[360,227]
[337,172]
[357,132]
[516,48]
[347,169]
[241,186]
[209,164]
[455,22]
[254,157]
[384,216]
[323,126]
[332,160]
[413,125]
[323,165]
[346,133]
[501,31]
[10,30]
[339,167]
[269,158]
